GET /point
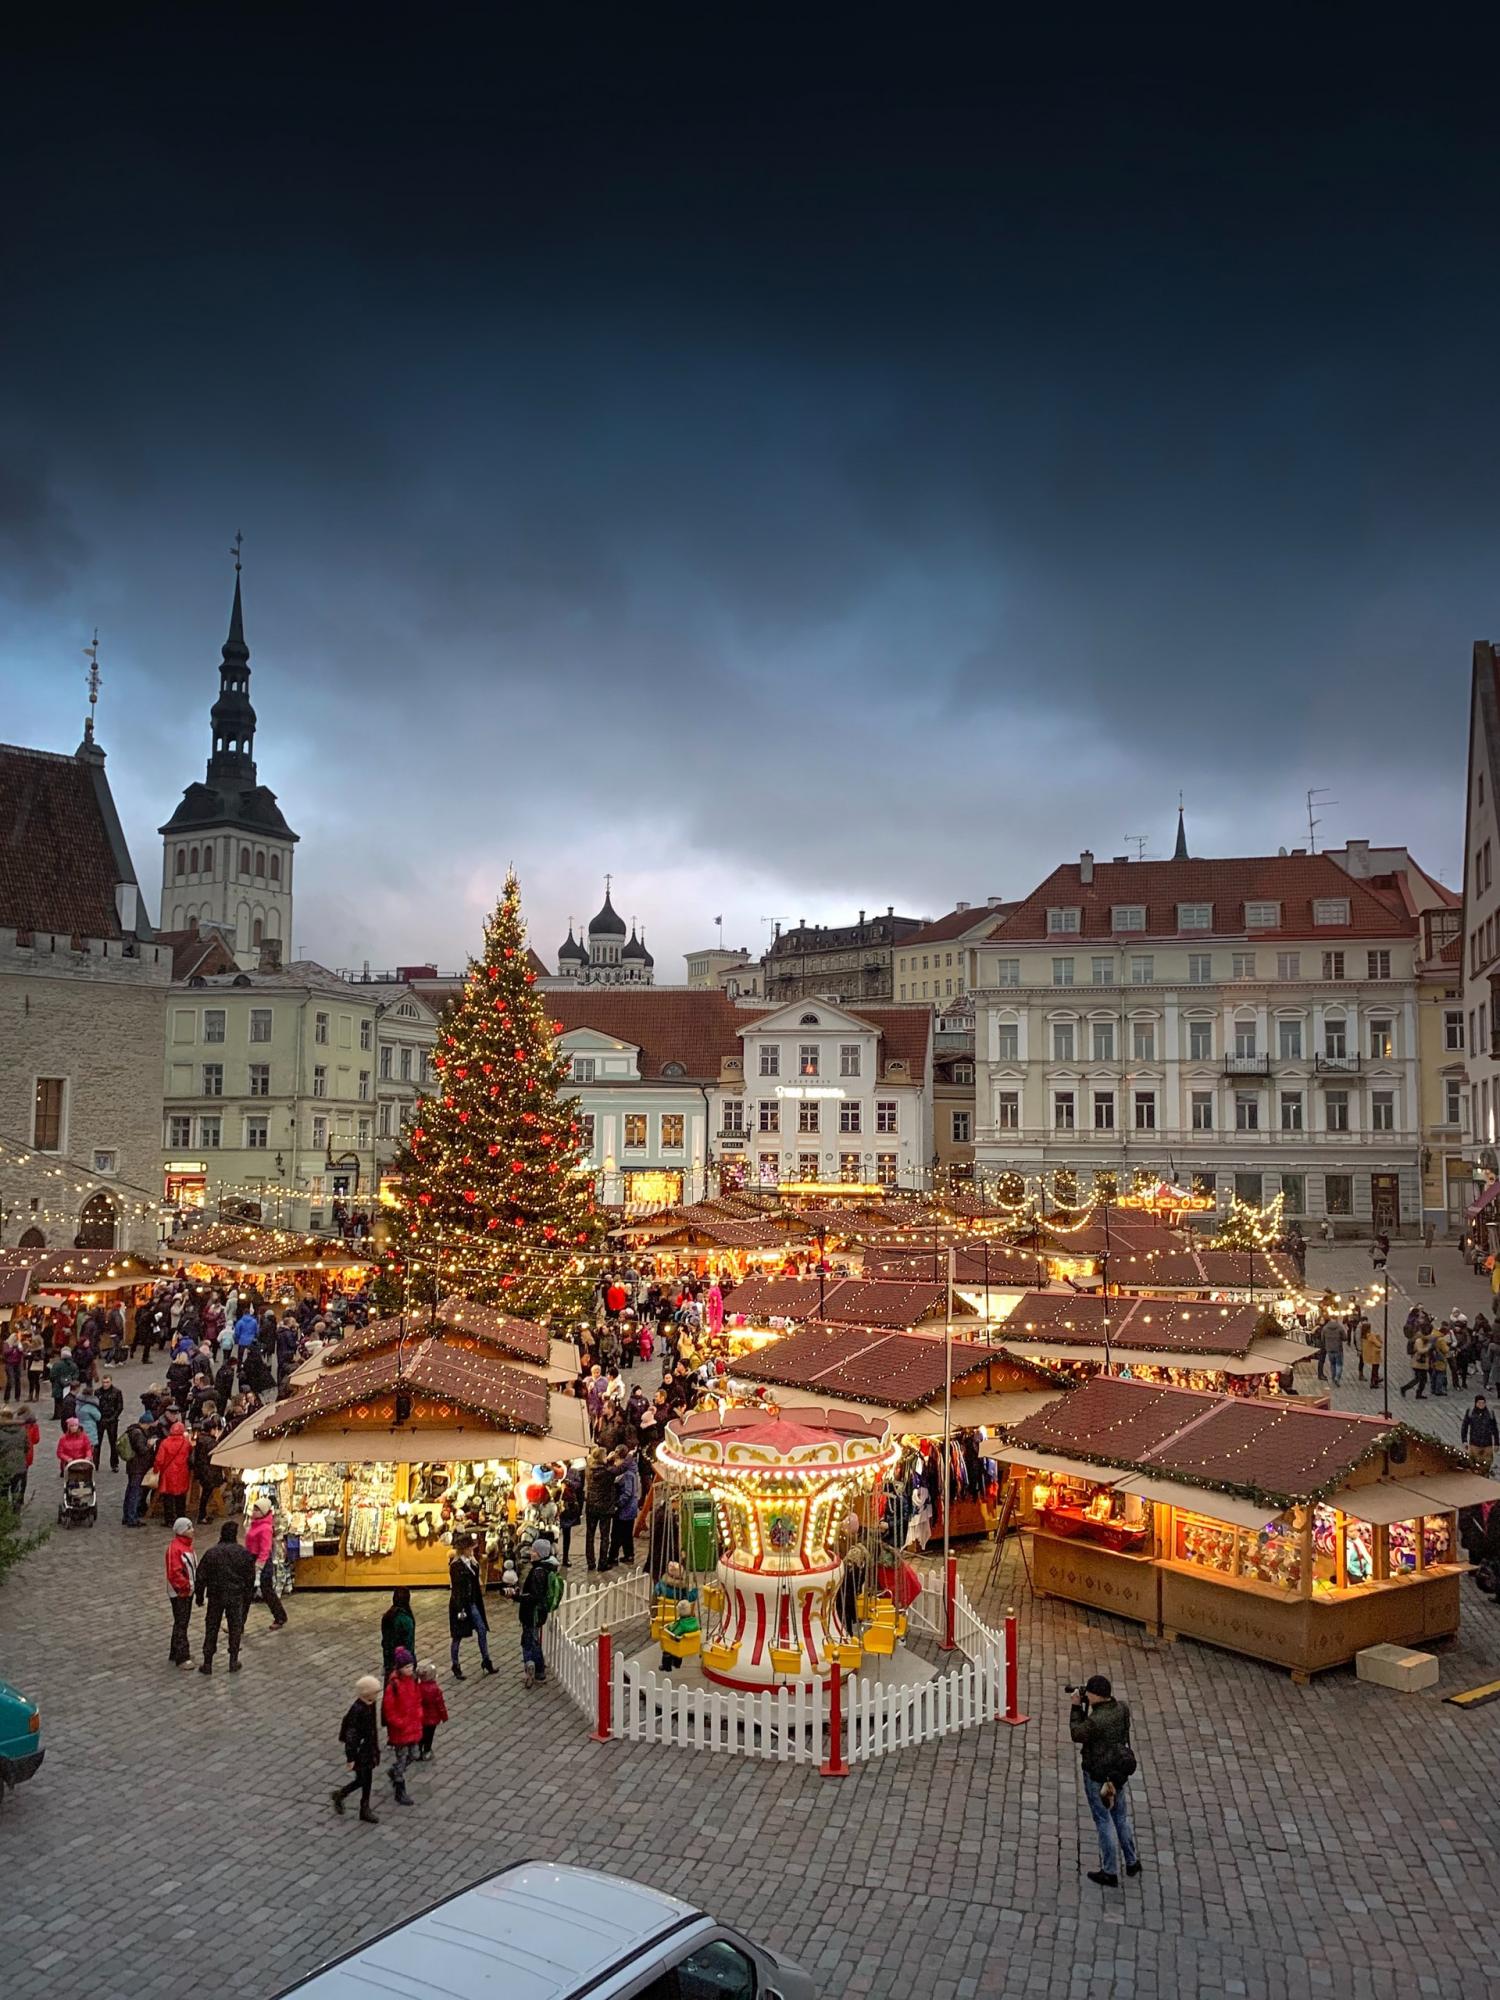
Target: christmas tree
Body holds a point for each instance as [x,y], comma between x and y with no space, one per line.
[497,1201]
[1249,1227]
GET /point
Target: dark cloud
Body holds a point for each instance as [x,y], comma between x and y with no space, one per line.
[793,466]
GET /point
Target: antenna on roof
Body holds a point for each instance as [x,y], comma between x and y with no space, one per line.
[1138,842]
[1317,796]
[91,654]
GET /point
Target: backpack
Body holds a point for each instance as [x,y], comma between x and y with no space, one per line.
[1122,1766]
[555,1587]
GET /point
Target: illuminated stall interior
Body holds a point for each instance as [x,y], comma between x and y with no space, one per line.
[224,1253]
[51,1277]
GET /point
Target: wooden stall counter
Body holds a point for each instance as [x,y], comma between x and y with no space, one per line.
[1086,1573]
[1306,1635]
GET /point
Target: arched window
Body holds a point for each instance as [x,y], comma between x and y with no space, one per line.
[33,1240]
[257,930]
[193,861]
[244,861]
[208,863]
[181,862]
[97,1223]
[275,867]
[260,861]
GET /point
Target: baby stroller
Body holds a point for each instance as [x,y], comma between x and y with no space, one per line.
[80,1503]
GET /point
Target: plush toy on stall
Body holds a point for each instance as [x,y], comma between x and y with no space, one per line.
[510,1582]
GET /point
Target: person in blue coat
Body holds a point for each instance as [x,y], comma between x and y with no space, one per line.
[627,1507]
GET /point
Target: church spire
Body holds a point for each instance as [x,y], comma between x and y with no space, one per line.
[233,719]
[1180,851]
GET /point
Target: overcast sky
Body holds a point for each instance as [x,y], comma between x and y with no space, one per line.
[792,462]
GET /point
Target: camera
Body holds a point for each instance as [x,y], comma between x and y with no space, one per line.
[1068,1688]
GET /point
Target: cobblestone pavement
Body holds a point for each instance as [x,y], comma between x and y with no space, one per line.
[1327,1840]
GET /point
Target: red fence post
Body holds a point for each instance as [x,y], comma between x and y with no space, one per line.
[1013,1713]
[835,1766]
[604,1694]
[950,1603]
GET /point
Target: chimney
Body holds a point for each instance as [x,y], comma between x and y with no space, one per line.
[993,902]
[1086,867]
[1357,857]
[127,902]
[890,909]
[270,955]
[960,906]
[1120,860]
[861,916]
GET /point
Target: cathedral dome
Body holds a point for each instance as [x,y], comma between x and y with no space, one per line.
[572,950]
[608,923]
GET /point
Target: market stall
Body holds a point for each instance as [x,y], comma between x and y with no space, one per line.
[1235,1350]
[373,1467]
[460,1323]
[1293,1535]
[762,1309]
[227,1253]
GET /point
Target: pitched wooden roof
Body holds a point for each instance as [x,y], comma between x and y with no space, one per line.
[443,1380]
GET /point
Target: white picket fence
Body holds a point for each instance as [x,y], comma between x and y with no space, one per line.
[789,1724]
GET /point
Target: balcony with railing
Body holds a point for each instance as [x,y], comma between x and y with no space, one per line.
[1336,1065]
[1249,1064]
[1221,1141]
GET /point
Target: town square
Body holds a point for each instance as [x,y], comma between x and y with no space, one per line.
[749,1186]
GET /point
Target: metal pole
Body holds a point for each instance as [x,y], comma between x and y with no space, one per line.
[1385,1343]
[948,1415]
[1108,1364]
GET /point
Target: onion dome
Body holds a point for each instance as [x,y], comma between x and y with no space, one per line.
[572,951]
[608,923]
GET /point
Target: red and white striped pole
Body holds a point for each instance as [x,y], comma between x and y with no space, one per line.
[1013,1713]
[604,1693]
[950,1602]
[834,1765]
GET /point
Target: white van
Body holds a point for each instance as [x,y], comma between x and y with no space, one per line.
[544,1932]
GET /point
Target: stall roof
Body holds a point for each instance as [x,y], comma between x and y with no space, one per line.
[867,1364]
[520,1340]
[239,1248]
[241,1451]
[1217,1506]
[25,1272]
[1380,1502]
[1454,1489]
[473,1382]
[845,1301]
[1001,1265]
[1165,1325]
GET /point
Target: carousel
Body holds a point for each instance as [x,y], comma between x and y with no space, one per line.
[783,1566]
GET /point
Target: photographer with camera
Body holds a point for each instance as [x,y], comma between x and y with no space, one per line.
[1100,1725]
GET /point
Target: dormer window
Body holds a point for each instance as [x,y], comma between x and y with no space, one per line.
[1195,916]
[1331,910]
[1062,920]
[1128,917]
[808,1021]
[1262,916]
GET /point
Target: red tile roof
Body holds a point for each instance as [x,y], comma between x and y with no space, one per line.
[667,1024]
[902,1370]
[980,919]
[58,865]
[193,954]
[1294,881]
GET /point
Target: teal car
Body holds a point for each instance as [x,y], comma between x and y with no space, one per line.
[21,1750]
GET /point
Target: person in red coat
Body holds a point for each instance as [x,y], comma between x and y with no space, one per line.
[401,1712]
[72,1444]
[174,1469]
[182,1575]
[434,1708]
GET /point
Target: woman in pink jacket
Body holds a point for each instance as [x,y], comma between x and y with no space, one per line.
[72,1444]
[260,1540]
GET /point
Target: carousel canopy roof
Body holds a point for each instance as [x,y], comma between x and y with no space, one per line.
[444,1376]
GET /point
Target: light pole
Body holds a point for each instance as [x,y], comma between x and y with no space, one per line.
[1385,1343]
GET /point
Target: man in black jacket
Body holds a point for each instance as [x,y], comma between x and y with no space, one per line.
[226,1577]
[1100,1725]
[111,1409]
[532,1607]
[600,1500]
[361,1740]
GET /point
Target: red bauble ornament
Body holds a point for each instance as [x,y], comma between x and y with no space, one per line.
[528,1118]
[493,1223]
[583,1236]
[471,1194]
[507,1279]
[492,1150]
[494,1090]
[463,1117]
[549,1232]
[544,1138]
[462,1073]
[494,972]
[531,979]
[520,1055]
[557,1027]
[510,951]
[516,1167]
[488,1068]
[425,1199]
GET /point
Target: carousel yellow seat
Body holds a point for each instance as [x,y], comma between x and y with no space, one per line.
[880,1637]
[849,1653]
[786,1659]
[682,1645]
[720,1656]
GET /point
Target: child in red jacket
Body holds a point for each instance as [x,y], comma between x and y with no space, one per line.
[401,1712]
[434,1709]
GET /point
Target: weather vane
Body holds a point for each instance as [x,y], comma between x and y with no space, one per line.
[91,654]
[239,543]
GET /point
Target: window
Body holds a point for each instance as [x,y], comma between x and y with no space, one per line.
[1200,968]
[1333,965]
[256,932]
[1062,1111]
[582,1068]
[807,1115]
[1008,1111]
[1143,1041]
[1128,917]
[1331,910]
[849,1058]
[1382,1039]
[1206,1183]
[1291,1111]
[181,862]
[885,1168]
[635,1131]
[903,989]
[1335,1040]
[47,1120]
[1200,1041]
[1248,1188]
[1101,971]
[179,1130]
[1246,1111]
[320,1129]
[1242,964]
[1103,1040]
[362,1132]
[1007,972]
[1294,1193]
[963,1072]
[1062,920]
[1382,1110]
[320,1028]
[385,1063]
[962,1128]
[1142,969]
[320,1080]
[106,1160]
[1062,972]
[244,861]
[848,1166]
[364,1086]
[213,1079]
[849,1115]
[1062,1041]
[1377,965]
[256,1131]
[209,1128]
[367,1034]
[807,1059]
[885,1114]
[260,861]
[184,1024]
[1288,965]
[769,1119]
[732,1115]
[1244,1038]
[260,1024]
[1289,1040]
[213,1024]
[673,1128]
[770,1059]
[1104,1111]
[1453,1106]
[1453,1028]
[260,1079]
[1203,1110]
[405,1064]
[1336,1110]
[1338,1194]
[1145,1111]
[1007,1041]
[586,1131]
[1262,916]
[1195,916]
